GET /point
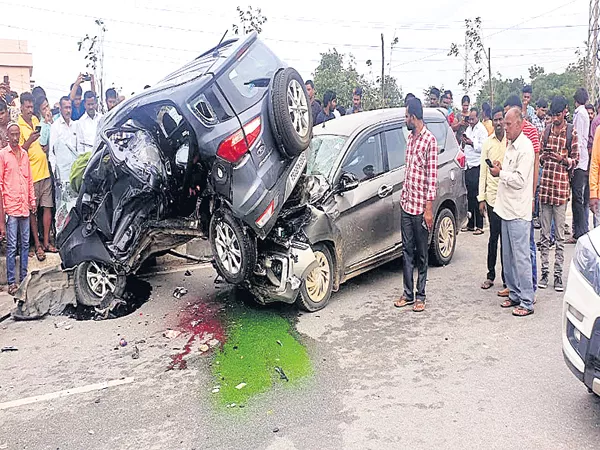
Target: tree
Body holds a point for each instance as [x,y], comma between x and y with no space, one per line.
[93,47]
[474,53]
[338,73]
[250,20]
[503,88]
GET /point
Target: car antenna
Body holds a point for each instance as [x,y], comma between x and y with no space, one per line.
[216,52]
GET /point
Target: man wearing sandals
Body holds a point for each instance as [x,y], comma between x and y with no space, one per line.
[513,205]
[418,193]
[18,198]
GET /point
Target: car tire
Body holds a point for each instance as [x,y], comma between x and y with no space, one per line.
[94,280]
[290,113]
[313,295]
[233,248]
[443,242]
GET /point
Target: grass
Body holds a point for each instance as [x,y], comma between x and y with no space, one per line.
[257,343]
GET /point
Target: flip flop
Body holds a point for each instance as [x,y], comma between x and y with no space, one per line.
[403,302]
[51,249]
[478,232]
[519,311]
[419,306]
[487,284]
[508,303]
[40,255]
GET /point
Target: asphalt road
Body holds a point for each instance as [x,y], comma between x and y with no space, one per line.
[463,374]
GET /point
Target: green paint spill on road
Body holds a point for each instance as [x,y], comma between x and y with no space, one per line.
[252,353]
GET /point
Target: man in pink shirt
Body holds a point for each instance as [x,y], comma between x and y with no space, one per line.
[18,199]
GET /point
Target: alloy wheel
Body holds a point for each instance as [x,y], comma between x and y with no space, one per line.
[446,237]
[228,248]
[298,108]
[101,278]
[319,278]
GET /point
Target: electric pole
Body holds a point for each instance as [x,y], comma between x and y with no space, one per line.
[382,73]
[591,74]
[489,58]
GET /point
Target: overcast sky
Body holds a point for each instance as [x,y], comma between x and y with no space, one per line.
[147,39]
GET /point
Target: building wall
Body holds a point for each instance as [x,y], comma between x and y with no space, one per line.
[17,63]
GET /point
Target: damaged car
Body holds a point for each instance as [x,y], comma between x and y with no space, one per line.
[347,209]
[213,151]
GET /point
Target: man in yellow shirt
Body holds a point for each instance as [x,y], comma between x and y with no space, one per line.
[493,150]
[30,142]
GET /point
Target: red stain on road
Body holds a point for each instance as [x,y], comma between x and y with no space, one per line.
[200,322]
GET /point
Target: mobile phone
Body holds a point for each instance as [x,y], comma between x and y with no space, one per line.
[38,129]
[87,77]
[489,163]
[6,80]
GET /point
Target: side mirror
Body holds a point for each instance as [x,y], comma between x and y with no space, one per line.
[348,181]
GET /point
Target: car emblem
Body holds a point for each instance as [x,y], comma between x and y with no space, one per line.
[260,151]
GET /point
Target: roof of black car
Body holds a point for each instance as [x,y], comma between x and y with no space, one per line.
[347,125]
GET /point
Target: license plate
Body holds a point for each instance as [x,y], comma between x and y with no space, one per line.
[298,169]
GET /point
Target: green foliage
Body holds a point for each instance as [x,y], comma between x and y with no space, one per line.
[338,72]
[250,19]
[503,88]
[473,47]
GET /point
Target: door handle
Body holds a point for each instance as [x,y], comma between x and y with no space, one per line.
[384,191]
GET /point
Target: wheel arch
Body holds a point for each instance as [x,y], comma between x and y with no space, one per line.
[446,204]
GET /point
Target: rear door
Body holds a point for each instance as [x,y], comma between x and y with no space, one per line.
[366,214]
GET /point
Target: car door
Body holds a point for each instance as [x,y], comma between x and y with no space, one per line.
[394,140]
[366,218]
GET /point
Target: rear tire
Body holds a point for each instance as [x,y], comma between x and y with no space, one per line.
[443,242]
[94,280]
[290,112]
[316,290]
[234,250]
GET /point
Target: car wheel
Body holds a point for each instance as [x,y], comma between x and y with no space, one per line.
[444,238]
[316,290]
[290,113]
[234,250]
[94,280]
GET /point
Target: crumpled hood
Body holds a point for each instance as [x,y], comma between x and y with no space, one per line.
[317,187]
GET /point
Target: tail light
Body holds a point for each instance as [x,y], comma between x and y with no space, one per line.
[266,216]
[461,159]
[235,146]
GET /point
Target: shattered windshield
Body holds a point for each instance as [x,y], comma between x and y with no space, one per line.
[323,153]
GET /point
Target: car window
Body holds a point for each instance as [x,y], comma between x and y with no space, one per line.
[168,118]
[365,160]
[251,75]
[323,153]
[439,130]
[395,143]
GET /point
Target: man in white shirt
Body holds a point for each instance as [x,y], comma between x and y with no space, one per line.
[62,151]
[472,141]
[513,205]
[580,181]
[88,124]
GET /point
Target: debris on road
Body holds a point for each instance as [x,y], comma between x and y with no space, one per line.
[213,342]
[179,292]
[171,334]
[204,348]
[136,352]
[241,386]
[281,373]
[279,342]
[216,389]
[68,327]
[275,430]
[122,342]
[188,273]
[9,349]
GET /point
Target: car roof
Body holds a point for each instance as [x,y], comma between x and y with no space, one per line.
[352,123]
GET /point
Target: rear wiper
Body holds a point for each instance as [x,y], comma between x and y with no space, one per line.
[259,82]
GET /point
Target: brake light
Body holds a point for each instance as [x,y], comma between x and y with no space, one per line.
[461,159]
[234,147]
[266,216]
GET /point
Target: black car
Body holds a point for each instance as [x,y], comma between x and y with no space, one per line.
[214,150]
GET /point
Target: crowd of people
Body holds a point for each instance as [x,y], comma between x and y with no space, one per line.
[40,145]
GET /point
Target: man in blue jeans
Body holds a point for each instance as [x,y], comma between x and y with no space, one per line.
[18,199]
[514,205]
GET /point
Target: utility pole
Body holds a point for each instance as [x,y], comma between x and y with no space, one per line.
[382,73]
[466,76]
[591,75]
[489,58]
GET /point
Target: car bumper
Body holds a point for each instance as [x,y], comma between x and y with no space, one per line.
[280,273]
[581,330]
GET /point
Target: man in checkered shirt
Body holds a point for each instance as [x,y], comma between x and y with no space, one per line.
[418,193]
[556,159]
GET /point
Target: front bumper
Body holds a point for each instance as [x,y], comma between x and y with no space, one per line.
[280,273]
[581,330]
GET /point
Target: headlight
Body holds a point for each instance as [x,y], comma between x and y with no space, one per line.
[587,262]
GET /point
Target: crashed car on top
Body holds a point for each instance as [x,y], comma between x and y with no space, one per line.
[213,151]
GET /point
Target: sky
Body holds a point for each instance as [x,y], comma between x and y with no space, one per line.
[147,39]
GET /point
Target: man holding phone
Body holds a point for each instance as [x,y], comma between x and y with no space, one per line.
[40,173]
[493,149]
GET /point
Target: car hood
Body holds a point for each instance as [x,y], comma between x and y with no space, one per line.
[317,188]
[594,236]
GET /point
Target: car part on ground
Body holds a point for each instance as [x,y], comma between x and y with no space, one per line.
[93,281]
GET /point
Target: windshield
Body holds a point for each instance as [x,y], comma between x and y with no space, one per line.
[323,153]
